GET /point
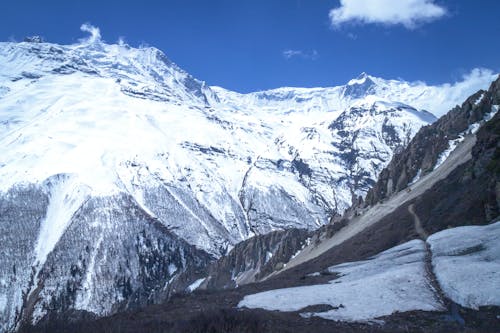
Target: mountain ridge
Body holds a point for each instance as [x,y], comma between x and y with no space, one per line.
[102,135]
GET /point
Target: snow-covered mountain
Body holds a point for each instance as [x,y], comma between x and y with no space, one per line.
[118,170]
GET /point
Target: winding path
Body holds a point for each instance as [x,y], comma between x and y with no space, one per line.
[418,224]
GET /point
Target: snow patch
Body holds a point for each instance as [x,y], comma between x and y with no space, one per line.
[66,196]
[269,255]
[394,280]
[172,269]
[416,178]
[195,285]
[466,261]
[359,80]
[472,129]
[494,110]
[452,144]
[479,99]
[3,302]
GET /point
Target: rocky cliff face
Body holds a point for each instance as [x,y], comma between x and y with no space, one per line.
[433,143]
[254,259]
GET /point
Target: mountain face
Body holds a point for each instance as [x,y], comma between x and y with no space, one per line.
[444,223]
[119,171]
[432,144]
[412,249]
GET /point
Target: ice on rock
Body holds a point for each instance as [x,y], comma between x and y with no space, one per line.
[465,260]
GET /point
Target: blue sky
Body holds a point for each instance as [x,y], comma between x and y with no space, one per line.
[261,44]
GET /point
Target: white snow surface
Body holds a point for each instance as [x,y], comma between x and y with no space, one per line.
[124,119]
[466,262]
[452,144]
[66,196]
[479,99]
[394,280]
[437,99]
[3,302]
[121,119]
[94,120]
[195,285]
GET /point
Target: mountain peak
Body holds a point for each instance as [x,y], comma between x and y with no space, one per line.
[360,87]
[361,79]
[363,75]
[33,39]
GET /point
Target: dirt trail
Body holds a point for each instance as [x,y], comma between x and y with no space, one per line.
[429,268]
[375,213]
[418,224]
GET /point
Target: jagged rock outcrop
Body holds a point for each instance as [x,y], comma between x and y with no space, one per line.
[431,142]
[255,258]
[248,262]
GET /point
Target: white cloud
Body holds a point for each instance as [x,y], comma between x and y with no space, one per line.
[352,36]
[441,98]
[121,41]
[409,13]
[95,33]
[311,55]
[476,79]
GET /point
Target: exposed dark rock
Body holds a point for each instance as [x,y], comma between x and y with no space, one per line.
[33,39]
[248,261]
[358,90]
[423,151]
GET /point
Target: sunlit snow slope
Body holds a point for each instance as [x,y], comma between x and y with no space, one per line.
[119,119]
[118,170]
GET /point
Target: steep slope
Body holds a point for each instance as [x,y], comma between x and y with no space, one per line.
[119,171]
[357,268]
[461,190]
[246,263]
[433,144]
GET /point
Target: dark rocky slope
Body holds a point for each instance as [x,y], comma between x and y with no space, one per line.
[247,262]
[424,149]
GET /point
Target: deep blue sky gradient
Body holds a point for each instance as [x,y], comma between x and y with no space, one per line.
[238,44]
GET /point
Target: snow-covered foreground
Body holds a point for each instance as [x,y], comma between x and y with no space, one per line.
[466,262]
[394,280]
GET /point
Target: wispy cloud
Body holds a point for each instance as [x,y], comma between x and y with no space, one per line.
[95,33]
[352,36]
[121,41]
[310,55]
[441,98]
[409,13]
